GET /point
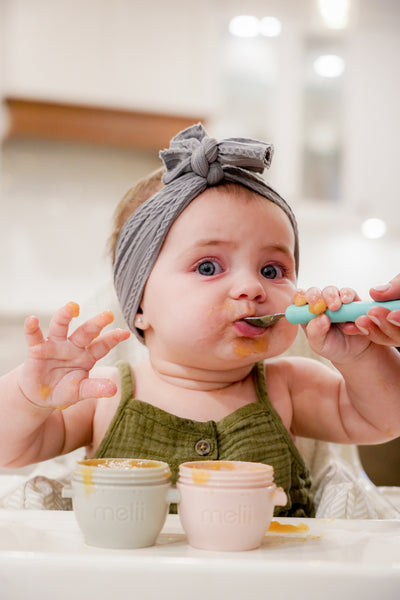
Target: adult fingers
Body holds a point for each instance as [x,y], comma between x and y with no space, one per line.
[388,291]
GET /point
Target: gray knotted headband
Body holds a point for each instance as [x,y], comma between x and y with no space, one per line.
[194,162]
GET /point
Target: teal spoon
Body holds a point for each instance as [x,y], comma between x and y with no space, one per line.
[300,315]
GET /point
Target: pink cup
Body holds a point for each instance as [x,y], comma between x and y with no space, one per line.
[227,505]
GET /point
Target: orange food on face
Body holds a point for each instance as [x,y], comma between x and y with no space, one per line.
[318,308]
[299,300]
[245,346]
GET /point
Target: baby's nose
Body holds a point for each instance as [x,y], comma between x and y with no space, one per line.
[248,287]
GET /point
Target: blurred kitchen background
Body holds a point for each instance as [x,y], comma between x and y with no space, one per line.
[91,89]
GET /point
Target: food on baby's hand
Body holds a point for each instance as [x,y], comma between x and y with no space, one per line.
[299,300]
[74,308]
[318,308]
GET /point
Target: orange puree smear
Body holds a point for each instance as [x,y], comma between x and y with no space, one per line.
[109,314]
[217,465]
[246,346]
[318,308]
[44,391]
[226,308]
[118,463]
[277,527]
[87,480]
[229,307]
[299,300]
[200,476]
[74,308]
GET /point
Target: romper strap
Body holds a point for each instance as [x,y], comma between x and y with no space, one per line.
[127,382]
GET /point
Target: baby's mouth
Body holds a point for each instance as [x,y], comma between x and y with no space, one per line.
[253,320]
[247,329]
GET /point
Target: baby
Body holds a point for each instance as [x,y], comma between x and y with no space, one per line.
[197,250]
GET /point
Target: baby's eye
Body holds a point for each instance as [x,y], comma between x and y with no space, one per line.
[209,268]
[272,272]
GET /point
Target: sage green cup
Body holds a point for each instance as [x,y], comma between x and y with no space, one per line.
[120,503]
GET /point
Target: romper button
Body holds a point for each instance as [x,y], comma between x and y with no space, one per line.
[203,447]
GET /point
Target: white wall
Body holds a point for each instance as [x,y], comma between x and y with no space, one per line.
[60,201]
[154,55]
[57,207]
[373,124]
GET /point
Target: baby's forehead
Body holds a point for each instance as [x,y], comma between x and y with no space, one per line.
[228,210]
[232,190]
[233,198]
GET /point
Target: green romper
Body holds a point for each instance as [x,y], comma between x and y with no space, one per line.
[254,432]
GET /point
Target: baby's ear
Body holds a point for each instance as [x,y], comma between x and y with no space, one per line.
[141,322]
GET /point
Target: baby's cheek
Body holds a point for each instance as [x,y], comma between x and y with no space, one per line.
[222,313]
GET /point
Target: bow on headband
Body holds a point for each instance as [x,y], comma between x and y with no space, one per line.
[193,151]
[194,161]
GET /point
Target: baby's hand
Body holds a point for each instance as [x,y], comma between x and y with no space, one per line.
[327,339]
[381,325]
[56,372]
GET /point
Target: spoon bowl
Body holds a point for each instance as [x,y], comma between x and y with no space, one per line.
[265,320]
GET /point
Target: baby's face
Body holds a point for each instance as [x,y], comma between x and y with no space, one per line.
[227,256]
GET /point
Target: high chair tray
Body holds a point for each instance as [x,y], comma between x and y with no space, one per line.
[43,555]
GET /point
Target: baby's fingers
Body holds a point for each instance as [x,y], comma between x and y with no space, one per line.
[334,297]
[97,388]
[87,332]
[317,332]
[59,324]
[33,333]
[103,344]
[74,389]
[330,297]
